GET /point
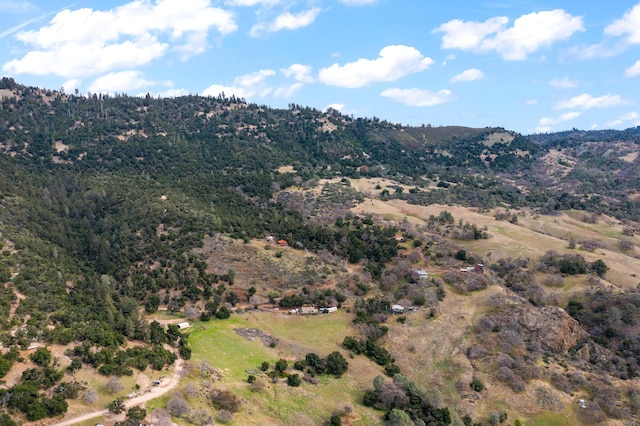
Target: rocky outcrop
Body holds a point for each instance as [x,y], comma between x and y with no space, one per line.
[551,327]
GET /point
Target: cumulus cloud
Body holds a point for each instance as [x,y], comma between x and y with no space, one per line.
[252,2]
[299,72]
[468,35]
[633,70]
[358,2]
[393,63]
[586,101]
[468,75]
[287,21]
[246,86]
[563,83]
[633,116]
[627,26]
[528,34]
[286,91]
[619,35]
[120,82]
[418,97]
[337,107]
[85,42]
[170,93]
[71,85]
[547,123]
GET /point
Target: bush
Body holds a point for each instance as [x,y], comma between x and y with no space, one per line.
[476,384]
[224,399]
[224,416]
[177,405]
[294,380]
[41,356]
[336,364]
[223,313]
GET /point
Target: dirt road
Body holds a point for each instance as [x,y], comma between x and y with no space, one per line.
[146,395]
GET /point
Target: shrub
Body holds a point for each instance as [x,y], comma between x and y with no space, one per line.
[476,384]
[224,416]
[294,380]
[336,364]
[177,405]
[223,313]
[114,385]
[224,399]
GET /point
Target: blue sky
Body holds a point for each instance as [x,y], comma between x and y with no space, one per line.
[526,65]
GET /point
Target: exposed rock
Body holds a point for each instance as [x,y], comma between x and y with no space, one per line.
[550,326]
[476,351]
[548,400]
[584,353]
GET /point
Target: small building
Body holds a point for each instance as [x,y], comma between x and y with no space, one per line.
[183,325]
[479,268]
[399,238]
[269,239]
[283,243]
[422,274]
[308,310]
[328,310]
[397,309]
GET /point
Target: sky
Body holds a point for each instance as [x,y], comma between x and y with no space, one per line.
[530,66]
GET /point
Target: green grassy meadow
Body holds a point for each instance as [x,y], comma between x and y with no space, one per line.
[217,343]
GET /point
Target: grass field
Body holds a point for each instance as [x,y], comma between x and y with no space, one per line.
[218,344]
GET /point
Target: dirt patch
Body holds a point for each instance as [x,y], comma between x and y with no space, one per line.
[255,334]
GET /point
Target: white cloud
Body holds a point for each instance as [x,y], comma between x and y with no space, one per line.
[468,75]
[418,97]
[532,102]
[468,35]
[252,2]
[84,42]
[17,7]
[299,72]
[171,93]
[394,63]
[358,2]
[71,85]
[564,83]
[546,122]
[245,86]
[287,21]
[630,116]
[121,82]
[586,101]
[633,70]
[287,90]
[528,34]
[628,25]
[337,107]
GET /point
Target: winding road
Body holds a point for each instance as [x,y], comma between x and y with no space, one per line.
[147,395]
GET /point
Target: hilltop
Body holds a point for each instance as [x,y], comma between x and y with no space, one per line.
[121,217]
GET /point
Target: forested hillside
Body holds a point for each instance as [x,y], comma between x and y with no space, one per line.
[105,199]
